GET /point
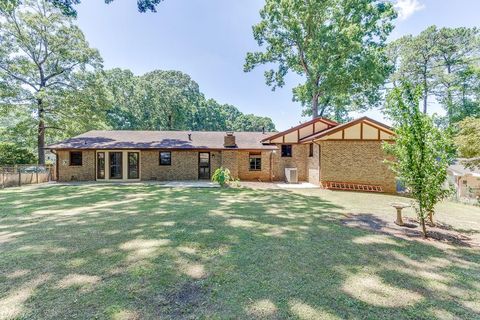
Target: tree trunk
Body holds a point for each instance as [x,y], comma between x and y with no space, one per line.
[315,106]
[449,96]
[424,228]
[425,89]
[430,218]
[425,96]
[41,133]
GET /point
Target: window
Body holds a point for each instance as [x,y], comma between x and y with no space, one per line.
[165,158]
[75,158]
[310,150]
[255,160]
[286,150]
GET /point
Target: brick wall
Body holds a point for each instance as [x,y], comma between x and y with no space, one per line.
[85,172]
[215,161]
[184,165]
[356,162]
[229,159]
[297,160]
[244,172]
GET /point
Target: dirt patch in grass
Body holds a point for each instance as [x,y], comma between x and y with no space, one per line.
[439,234]
[187,301]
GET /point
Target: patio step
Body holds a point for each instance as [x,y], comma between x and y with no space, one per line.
[348,186]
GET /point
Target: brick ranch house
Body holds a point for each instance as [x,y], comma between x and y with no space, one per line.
[332,155]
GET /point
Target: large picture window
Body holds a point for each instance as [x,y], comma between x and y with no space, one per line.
[286,150]
[255,161]
[165,158]
[75,158]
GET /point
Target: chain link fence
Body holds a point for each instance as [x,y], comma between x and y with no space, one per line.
[19,175]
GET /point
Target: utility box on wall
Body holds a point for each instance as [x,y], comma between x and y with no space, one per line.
[291,175]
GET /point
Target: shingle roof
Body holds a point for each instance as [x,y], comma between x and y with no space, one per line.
[123,139]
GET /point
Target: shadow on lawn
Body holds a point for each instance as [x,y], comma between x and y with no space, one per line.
[144,251]
[438,234]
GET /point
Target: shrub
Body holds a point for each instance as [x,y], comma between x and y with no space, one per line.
[11,154]
[222,176]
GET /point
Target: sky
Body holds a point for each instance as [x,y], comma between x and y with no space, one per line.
[208,40]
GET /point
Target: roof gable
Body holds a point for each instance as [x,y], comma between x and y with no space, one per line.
[360,129]
[295,134]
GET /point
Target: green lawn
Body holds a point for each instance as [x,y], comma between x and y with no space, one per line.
[146,252]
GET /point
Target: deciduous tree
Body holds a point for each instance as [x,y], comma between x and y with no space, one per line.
[122,86]
[422,151]
[170,100]
[468,141]
[164,99]
[41,52]
[68,6]
[335,45]
[12,154]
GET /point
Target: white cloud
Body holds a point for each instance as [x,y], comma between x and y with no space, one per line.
[406,8]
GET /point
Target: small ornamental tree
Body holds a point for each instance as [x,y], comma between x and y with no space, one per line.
[422,151]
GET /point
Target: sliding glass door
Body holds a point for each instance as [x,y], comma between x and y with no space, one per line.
[116,168]
[101,165]
[133,169]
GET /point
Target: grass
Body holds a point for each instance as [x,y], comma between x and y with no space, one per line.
[146,252]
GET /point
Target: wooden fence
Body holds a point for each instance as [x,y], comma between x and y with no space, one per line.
[19,175]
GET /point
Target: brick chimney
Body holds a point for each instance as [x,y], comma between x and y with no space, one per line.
[229,140]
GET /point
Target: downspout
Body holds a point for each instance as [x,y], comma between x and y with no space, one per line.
[319,162]
[271,166]
[56,163]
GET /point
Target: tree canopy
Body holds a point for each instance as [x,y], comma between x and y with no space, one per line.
[68,6]
[445,63]
[52,86]
[468,141]
[41,52]
[12,154]
[335,45]
[171,100]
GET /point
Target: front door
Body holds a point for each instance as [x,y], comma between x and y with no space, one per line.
[116,168]
[204,165]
